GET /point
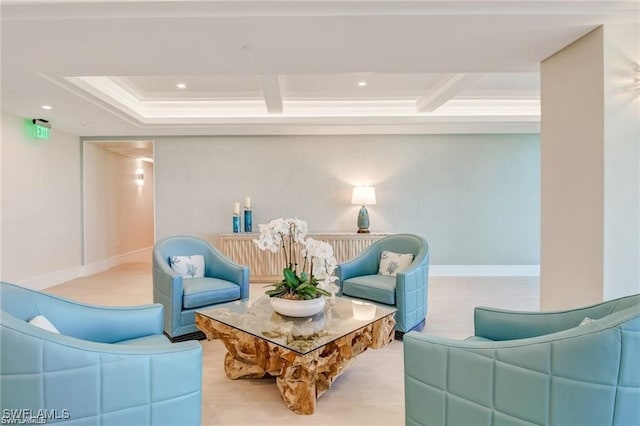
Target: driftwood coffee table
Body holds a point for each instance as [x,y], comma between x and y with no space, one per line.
[304,354]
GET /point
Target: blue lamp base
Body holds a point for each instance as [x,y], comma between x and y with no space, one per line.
[363,221]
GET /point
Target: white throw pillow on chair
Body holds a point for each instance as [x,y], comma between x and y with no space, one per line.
[42,322]
[391,263]
[188,266]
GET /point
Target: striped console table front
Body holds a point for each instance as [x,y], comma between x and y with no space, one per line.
[267,267]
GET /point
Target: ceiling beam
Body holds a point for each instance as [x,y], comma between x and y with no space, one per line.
[271,92]
[445,89]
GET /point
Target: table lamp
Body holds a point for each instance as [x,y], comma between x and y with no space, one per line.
[363,196]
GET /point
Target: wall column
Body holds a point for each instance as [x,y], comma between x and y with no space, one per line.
[590,170]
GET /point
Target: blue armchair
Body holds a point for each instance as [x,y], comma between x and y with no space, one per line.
[359,278]
[530,368]
[109,365]
[223,281]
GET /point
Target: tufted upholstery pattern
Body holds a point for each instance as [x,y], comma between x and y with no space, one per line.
[223,281]
[407,291]
[108,365]
[581,375]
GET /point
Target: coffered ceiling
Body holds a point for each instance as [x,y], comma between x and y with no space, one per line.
[143,68]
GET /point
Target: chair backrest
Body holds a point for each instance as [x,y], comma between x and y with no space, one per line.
[404,243]
[180,246]
[499,324]
[611,306]
[583,375]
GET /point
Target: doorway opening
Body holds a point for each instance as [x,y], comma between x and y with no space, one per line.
[118,203]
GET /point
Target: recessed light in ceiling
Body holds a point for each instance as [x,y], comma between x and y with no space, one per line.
[362,83]
[181,85]
[46,107]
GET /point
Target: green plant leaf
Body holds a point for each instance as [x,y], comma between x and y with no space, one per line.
[290,278]
[303,286]
[323,292]
[309,291]
[276,292]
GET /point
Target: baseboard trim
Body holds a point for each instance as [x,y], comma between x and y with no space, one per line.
[49,280]
[141,255]
[484,270]
[58,277]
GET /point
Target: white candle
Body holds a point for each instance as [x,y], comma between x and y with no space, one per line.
[236,208]
[247,202]
[363,311]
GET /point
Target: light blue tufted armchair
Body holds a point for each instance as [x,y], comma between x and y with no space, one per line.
[223,281]
[358,278]
[530,368]
[108,365]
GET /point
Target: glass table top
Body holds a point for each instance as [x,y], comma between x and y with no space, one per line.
[255,316]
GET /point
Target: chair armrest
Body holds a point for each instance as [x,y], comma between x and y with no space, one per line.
[219,266]
[498,324]
[502,324]
[416,275]
[411,294]
[167,290]
[102,323]
[366,263]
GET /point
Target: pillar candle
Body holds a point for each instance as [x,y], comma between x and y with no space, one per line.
[236,208]
[247,202]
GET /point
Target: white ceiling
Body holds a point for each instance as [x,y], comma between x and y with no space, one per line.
[110,68]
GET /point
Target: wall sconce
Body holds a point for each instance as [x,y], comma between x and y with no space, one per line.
[140,177]
[363,196]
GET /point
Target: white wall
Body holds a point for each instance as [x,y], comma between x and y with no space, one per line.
[1,198]
[621,160]
[119,213]
[41,243]
[474,197]
[41,214]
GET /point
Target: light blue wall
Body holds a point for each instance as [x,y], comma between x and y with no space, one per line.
[476,198]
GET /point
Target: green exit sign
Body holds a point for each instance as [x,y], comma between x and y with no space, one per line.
[40,128]
[42,132]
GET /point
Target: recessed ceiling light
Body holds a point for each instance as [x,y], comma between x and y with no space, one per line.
[181,85]
[362,83]
[46,107]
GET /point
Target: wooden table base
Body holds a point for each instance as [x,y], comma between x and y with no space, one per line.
[301,379]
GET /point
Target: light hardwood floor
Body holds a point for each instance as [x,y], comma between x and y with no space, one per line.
[369,392]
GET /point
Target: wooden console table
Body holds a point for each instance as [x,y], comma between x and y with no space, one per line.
[267,267]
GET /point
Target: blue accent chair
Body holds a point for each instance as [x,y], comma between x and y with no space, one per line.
[358,278]
[109,365]
[530,368]
[223,281]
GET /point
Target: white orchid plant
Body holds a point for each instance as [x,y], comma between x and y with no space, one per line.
[309,264]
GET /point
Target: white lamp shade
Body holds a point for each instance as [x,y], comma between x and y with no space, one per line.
[363,195]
